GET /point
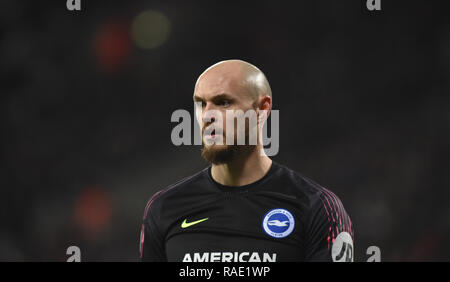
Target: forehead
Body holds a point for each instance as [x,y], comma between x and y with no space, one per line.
[222,81]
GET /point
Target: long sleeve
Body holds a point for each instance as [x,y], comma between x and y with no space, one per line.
[329,235]
[151,247]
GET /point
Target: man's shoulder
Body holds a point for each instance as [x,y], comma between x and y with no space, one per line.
[188,184]
[185,182]
[304,185]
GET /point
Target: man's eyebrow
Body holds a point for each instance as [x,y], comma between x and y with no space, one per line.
[215,98]
[197,98]
[222,96]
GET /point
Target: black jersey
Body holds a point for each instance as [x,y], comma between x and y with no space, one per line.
[284,216]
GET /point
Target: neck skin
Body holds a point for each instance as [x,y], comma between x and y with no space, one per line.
[242,170]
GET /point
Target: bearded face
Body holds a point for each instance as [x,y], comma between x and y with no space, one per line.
[218,149]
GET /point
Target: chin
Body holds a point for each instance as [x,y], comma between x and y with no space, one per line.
[217,154]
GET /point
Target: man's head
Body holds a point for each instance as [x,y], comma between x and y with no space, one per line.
[229,86]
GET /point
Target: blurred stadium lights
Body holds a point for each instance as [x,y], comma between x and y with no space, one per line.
[150,29]
[93,211]
[112,45]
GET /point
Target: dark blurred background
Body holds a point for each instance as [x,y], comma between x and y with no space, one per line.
[87,96]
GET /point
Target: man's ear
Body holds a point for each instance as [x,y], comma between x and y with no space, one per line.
[264,104]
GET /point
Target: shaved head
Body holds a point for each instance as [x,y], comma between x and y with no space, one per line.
[244,74]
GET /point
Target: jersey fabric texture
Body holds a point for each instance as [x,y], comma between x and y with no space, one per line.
[283,216]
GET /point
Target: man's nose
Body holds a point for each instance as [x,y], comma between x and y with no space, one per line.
[208,116]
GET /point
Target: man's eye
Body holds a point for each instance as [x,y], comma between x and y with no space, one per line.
[224,103]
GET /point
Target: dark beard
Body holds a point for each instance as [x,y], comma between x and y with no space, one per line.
[227,154]
[218,156]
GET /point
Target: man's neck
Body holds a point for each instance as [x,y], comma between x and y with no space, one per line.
[242,170]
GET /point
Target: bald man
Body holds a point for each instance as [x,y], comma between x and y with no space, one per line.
[244,207]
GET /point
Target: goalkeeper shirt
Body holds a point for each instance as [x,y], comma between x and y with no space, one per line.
[284,216]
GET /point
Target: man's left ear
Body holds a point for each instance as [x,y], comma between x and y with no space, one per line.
[264,105]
